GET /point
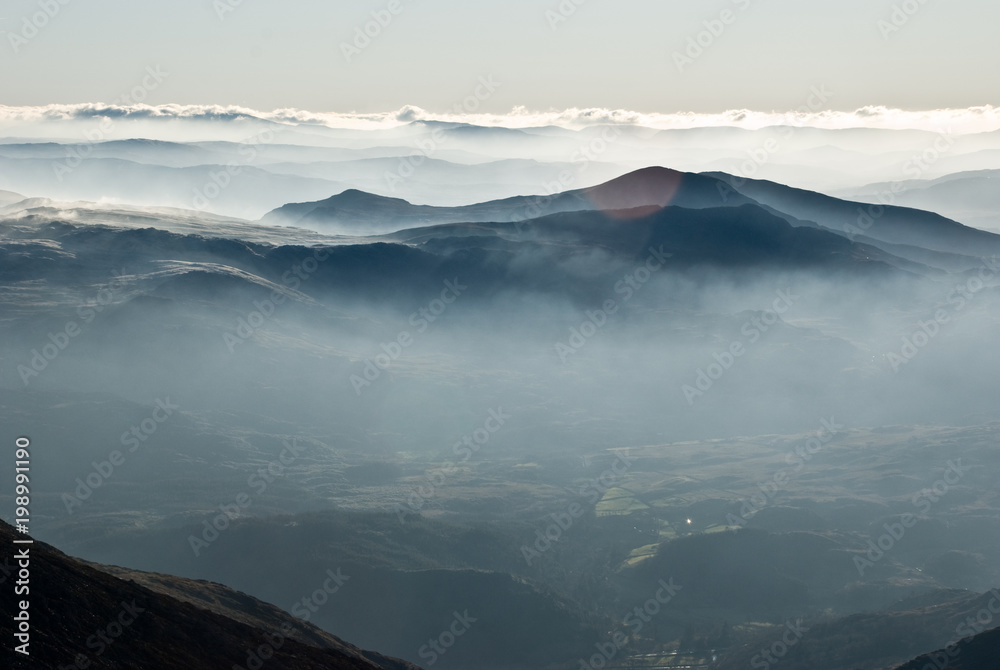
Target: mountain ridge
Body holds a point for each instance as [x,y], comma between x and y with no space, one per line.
[652,186]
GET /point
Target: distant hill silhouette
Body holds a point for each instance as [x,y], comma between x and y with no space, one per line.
[356,212]
[916,235]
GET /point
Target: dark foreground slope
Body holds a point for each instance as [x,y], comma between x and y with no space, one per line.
[83,617]
[981,652]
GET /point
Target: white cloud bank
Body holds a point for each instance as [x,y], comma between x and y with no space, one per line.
[962,121]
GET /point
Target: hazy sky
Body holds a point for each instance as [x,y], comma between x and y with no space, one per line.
[266,54]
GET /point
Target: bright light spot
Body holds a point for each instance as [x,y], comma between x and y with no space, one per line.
[689,522]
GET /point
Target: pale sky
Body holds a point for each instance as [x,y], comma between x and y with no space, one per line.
[618,54]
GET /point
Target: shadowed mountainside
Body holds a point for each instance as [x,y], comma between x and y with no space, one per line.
[886,223]
[976,653]
[84,617]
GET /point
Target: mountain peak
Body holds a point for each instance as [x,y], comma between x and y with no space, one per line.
[353,197]
[648,186]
